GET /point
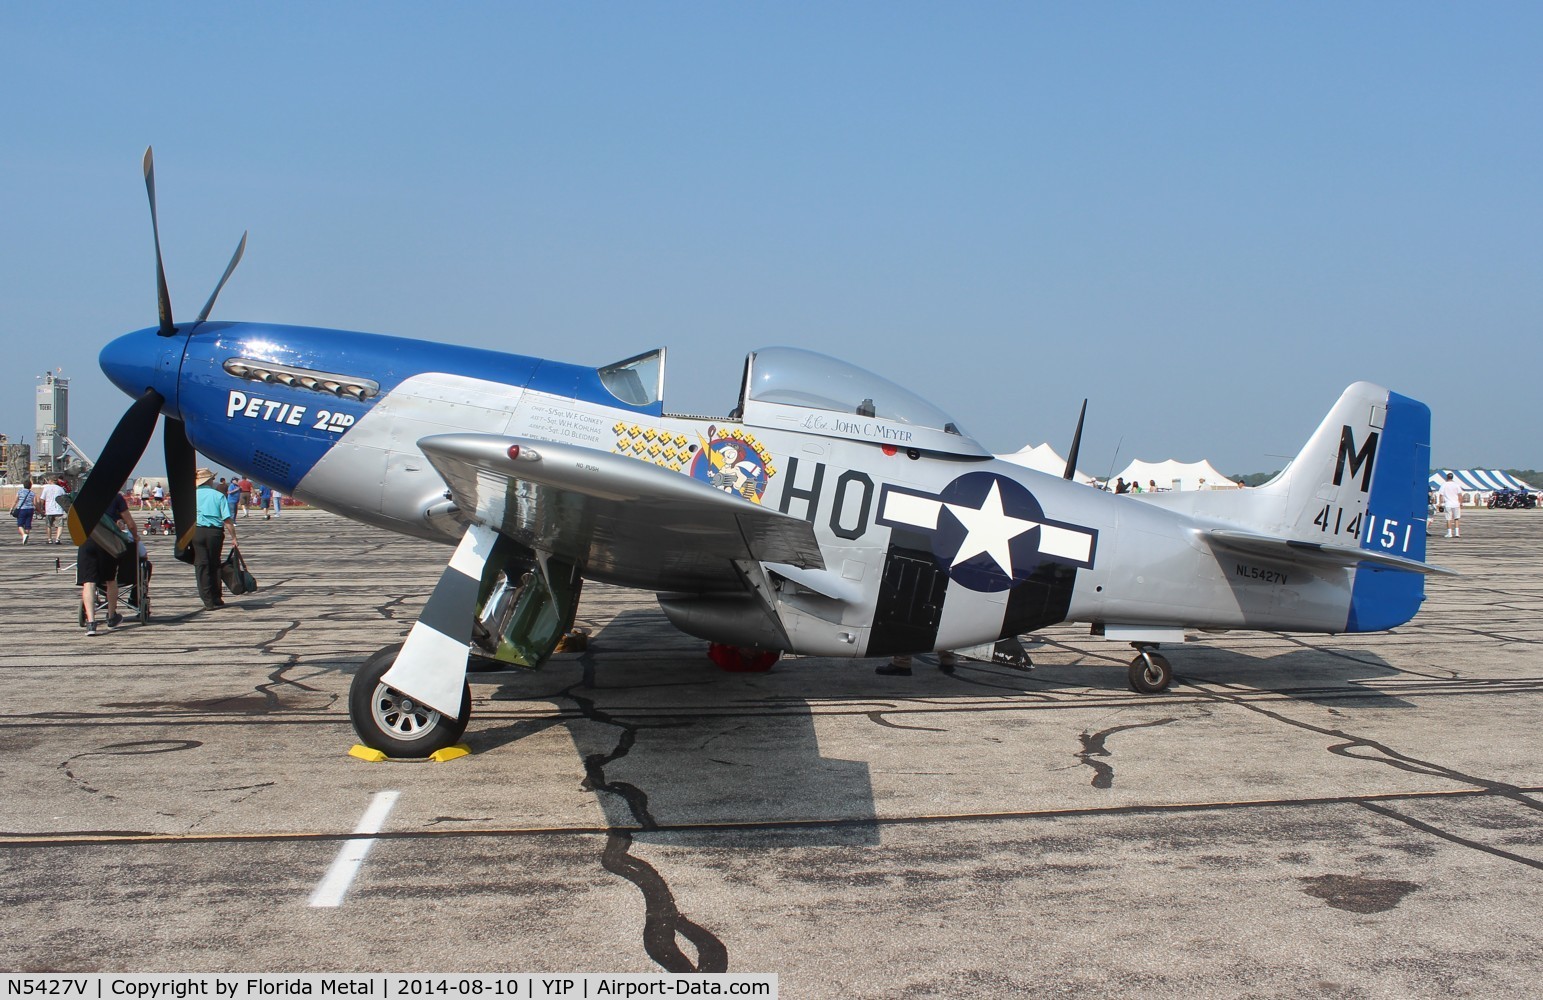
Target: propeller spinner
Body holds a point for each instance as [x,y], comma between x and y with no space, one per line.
[131,437]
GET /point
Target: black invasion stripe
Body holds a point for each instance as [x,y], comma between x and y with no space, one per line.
[911,596]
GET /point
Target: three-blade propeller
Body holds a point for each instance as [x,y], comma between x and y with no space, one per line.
[132,435]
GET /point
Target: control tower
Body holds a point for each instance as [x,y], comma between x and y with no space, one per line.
[53,424]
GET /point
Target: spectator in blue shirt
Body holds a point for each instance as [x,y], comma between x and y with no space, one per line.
[212,525]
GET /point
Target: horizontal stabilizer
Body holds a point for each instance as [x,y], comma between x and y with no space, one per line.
[1316,552]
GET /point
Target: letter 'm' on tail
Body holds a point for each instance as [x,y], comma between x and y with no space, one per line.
[1369,459]
[1356,496]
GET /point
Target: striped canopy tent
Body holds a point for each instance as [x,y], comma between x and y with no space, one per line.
[1478,480]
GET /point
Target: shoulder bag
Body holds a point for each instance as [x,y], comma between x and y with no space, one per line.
[233,573]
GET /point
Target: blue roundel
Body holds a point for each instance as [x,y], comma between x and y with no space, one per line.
[988,532]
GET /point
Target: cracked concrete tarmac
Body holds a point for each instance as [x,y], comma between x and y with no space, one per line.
[1353,816]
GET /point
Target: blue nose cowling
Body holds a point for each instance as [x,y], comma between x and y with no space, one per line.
[144,359]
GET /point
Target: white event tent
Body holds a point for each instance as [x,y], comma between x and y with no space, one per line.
[1175,475]
[1043,458]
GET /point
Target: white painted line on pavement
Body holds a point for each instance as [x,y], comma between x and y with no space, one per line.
[341,875]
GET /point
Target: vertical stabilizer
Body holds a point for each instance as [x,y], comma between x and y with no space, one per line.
[1361,482]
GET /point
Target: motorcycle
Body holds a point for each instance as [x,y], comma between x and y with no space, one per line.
[1512,500]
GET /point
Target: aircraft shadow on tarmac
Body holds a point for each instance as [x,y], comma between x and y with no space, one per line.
[668,740]
[1317,675]
[1313,674]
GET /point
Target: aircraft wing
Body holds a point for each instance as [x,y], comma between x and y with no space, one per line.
[623,520]
[1330,555]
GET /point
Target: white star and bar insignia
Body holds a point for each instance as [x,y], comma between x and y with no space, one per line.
[988,531]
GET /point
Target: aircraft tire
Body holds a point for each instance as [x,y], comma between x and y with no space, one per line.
[395,725]
[1150,673]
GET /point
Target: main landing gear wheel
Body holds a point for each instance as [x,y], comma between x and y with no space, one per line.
[399,726]
[1150,672]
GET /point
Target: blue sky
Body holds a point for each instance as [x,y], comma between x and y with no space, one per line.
[1207,218]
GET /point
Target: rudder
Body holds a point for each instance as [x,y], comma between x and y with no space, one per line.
[1396,519]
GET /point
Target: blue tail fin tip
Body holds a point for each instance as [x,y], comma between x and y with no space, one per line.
[1395,518]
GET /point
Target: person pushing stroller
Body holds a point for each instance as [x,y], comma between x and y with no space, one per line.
[96,567]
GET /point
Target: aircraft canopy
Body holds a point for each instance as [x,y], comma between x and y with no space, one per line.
[794,389]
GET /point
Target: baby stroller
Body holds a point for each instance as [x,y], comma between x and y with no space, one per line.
[158,524]
[133,590]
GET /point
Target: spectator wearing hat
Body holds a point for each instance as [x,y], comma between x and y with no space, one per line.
[1452,497]
[212,525]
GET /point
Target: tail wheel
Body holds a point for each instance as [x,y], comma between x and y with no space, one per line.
[1150,672]
[395,724]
